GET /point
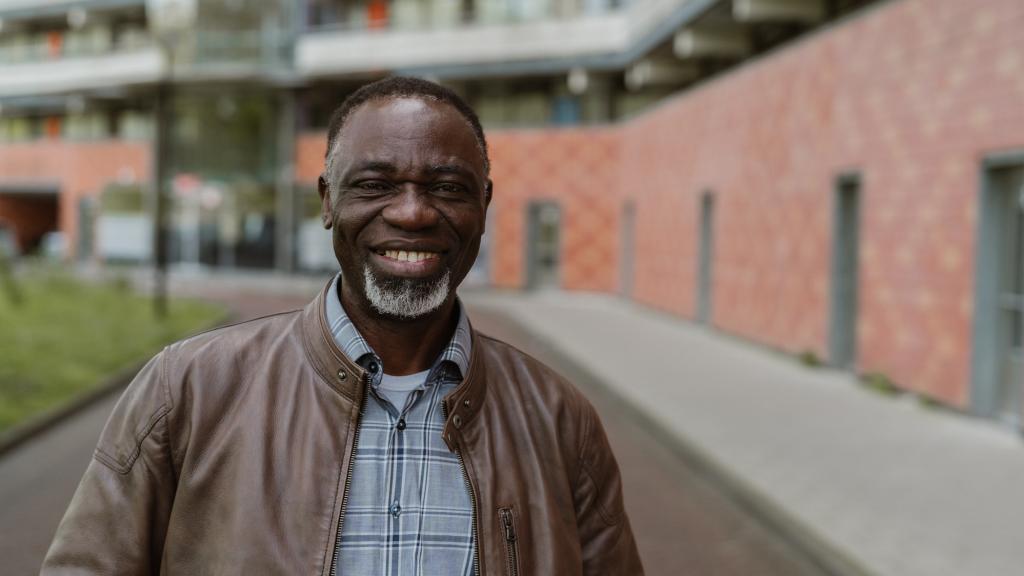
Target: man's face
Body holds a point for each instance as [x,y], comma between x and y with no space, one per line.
[411,200]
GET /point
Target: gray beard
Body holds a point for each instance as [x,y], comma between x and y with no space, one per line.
[404,297]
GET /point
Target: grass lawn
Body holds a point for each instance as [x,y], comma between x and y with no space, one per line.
[67,337]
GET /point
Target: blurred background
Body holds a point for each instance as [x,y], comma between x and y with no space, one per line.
[838,182]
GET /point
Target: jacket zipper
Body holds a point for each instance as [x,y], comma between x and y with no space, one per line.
[472,499]
[511,546]
[348,478]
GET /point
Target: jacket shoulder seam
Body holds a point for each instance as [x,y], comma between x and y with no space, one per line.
[534,361]
[585,467]
[583,410]
[605,517]
[501,342]
[584,444]
[235,324]
[126,466]
[167,421]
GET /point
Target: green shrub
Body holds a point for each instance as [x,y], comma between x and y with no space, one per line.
[881,383]
[809,358]
[67,337]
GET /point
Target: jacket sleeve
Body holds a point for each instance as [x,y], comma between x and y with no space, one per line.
[117,519]
[606,539]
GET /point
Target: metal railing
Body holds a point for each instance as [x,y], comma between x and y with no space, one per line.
[57,45]
[444,14]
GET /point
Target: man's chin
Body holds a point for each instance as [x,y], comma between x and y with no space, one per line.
[406,298]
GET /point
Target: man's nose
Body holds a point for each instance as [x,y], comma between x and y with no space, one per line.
[411,209]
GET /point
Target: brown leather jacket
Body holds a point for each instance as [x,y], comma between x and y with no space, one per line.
[229,454]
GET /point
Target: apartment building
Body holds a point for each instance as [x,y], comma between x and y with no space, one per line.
[839,179]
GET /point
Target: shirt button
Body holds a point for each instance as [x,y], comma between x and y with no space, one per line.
[373,367]
[396,510]
[401,424]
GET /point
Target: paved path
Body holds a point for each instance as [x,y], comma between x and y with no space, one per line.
[39,477]
[37,480]
[886,485]
[684,524]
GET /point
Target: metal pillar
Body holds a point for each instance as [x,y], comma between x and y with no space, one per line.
[161,171]
[284,244]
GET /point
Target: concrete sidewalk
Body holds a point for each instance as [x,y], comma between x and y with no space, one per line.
[883,485]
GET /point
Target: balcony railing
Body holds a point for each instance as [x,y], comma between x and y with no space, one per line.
[340,15]
[411,35]
[81,73]
[21,48]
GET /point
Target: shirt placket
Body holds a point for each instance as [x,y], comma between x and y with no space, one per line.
[403,455]
[398,464]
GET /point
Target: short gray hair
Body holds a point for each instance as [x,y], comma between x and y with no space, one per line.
[393,88]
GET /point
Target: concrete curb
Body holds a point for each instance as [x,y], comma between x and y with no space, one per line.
[817,549]
[37,425]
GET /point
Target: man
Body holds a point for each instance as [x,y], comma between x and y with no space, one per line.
[373,432]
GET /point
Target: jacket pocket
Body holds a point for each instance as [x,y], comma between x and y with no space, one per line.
[508,527]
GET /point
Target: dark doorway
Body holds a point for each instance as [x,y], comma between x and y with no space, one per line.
[627,254]
[845,249]
[706,255]
[31,214]
[998,359]
[544,221]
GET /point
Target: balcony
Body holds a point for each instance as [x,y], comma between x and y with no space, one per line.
[51,47]
[429,39]
[94,72]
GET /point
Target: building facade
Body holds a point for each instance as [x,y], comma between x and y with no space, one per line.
[840,180]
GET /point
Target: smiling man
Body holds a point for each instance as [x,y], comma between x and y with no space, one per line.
[375,431]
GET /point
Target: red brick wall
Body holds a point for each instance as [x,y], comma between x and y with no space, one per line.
[911,94]
[76,169]
[577,168]
[309,156]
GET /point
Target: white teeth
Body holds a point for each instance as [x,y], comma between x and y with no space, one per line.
[406,256]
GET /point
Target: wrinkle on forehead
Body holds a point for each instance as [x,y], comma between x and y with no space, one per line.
[406,113]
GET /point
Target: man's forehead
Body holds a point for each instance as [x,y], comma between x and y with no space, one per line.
[377,123]
[406,113]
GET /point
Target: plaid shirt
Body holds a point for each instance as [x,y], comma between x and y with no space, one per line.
[409,509]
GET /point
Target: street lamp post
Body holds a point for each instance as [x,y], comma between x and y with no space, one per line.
[168,20]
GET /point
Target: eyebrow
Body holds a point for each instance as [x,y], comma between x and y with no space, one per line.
[434,169]
[448,169]
[376,166]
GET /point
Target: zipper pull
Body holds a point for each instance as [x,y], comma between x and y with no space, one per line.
[506,521]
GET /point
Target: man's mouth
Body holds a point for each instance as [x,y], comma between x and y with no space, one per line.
[408,255]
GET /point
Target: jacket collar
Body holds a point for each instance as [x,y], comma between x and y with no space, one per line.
[347,377]
[342,374]
[454,356]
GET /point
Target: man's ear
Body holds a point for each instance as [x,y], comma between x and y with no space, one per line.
[325,202]
[488,192]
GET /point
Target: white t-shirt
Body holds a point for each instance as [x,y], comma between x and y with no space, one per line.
[398,388]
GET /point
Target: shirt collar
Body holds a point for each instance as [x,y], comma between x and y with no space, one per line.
[455,354]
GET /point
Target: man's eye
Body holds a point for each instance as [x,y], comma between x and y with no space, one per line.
[374,185]
[449,188]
